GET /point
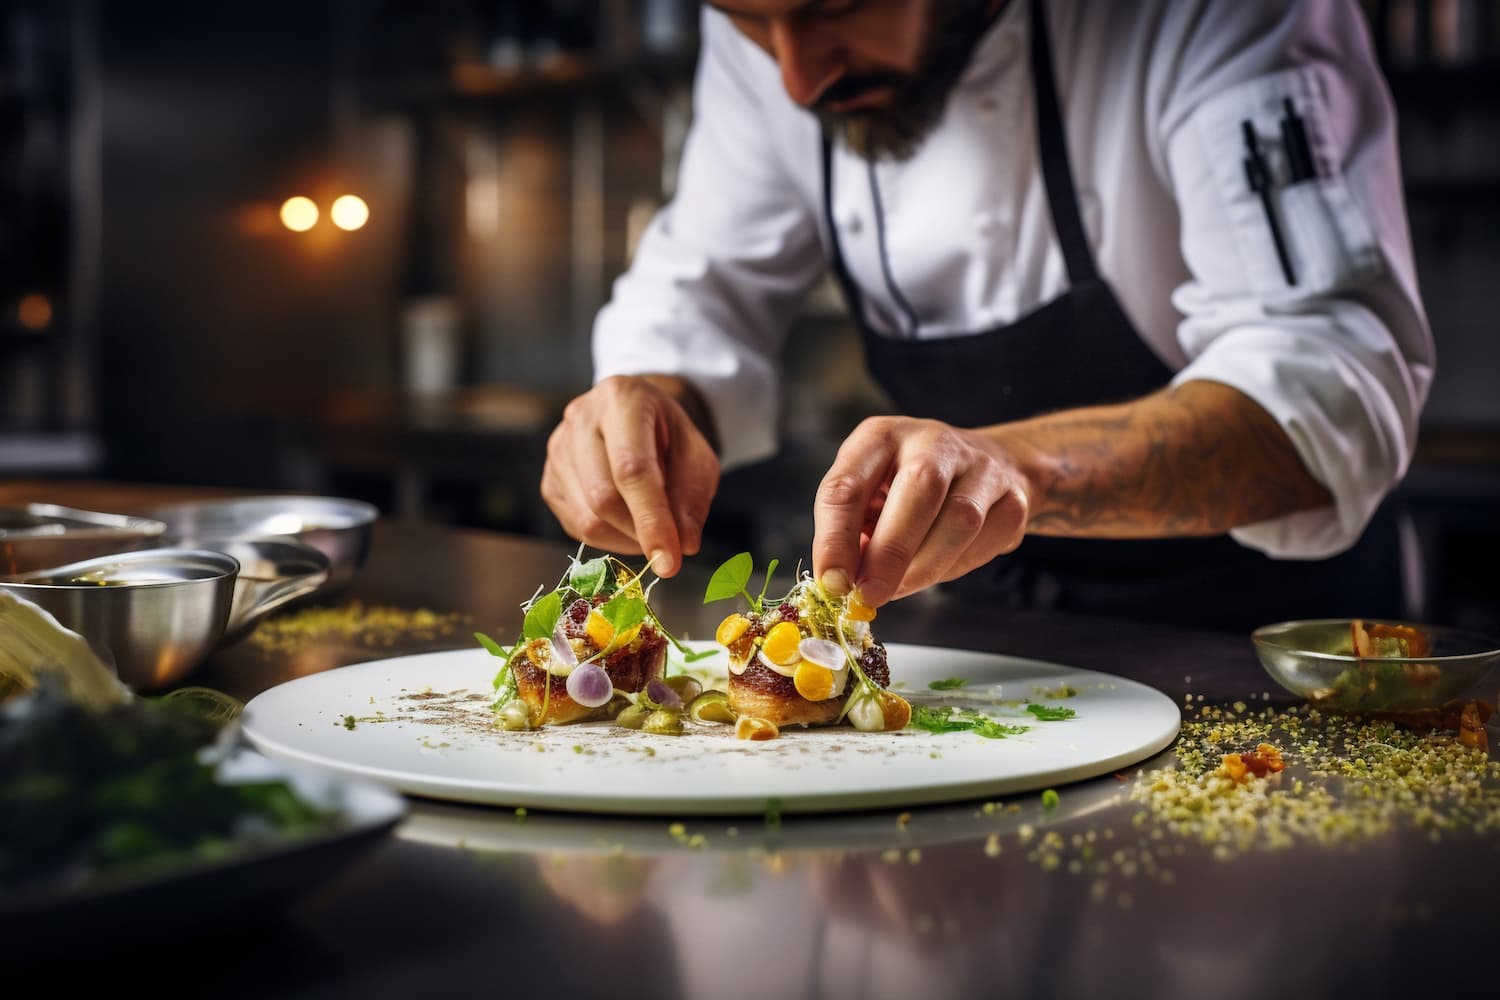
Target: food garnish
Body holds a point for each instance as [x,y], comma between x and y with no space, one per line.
[590,648]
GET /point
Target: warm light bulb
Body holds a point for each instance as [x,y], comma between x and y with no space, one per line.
[34,311]
[299,214]
[349,212]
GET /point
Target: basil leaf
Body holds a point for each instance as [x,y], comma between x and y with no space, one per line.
[948,683]
[589,578]
[729,580]
[541,617]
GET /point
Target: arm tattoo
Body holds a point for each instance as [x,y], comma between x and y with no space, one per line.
[1197,459]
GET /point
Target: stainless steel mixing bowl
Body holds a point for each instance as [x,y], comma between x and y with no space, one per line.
[337,527]
[153,614]
[37,535]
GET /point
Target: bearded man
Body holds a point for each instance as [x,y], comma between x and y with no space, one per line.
[1137,275]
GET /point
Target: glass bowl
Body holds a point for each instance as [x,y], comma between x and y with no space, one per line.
[1316,660]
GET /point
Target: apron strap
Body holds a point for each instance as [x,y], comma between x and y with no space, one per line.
[1062,198]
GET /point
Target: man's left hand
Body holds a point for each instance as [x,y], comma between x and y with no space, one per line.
[910,503]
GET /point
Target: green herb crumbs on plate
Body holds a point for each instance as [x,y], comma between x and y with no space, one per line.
[348,722]
[578,748]
[1050,799]
[948,683]
[1050,713]
[957,720]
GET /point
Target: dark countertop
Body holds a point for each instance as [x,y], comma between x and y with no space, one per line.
[469,900]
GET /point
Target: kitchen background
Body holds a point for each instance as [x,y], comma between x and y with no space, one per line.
[356,247]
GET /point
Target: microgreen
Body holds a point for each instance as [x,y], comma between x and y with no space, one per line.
[591,578]
[948,683]
[1050,713]
[958,720]
[542,616]
[730,579]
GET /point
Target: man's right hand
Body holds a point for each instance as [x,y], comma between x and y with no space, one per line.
[628,470]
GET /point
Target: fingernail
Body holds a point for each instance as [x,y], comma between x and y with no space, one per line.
[835,582]
[660,561]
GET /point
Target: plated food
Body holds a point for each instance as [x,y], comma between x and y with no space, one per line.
[593,648]
[589,648]
[807,658]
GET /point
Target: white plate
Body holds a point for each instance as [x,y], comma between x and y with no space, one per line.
[422,725]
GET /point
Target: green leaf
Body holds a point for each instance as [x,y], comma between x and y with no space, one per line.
[541,617]
[1050,713]
[490,644]
[948,683]
[623,612]
[729,580]
[592,577]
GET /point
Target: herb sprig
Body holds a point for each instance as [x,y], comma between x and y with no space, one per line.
[958,720]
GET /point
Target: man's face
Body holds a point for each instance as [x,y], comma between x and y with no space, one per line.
[876,72]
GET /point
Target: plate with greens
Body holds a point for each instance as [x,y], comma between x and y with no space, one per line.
[151,806]
[982,725]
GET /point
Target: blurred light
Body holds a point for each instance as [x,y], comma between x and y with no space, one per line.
[35,311]
[349,212]
[299,214]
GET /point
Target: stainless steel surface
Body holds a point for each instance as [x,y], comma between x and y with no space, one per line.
[956,901]
[272,573]
[154,614]
[1315,660]
[337,527]
[36,535]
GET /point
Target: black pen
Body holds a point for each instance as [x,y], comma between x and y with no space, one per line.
[1258,173]
[1294,140]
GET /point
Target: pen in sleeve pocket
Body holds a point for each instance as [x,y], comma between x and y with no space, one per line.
[1294,140]
[1258,174]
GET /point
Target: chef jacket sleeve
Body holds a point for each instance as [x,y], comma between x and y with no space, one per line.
[1343,358]
[721,271]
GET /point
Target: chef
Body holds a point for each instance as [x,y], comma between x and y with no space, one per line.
[1137,276]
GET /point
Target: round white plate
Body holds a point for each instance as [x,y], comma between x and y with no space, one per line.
[422,725]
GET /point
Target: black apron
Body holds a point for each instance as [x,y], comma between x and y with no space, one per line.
[1081,349]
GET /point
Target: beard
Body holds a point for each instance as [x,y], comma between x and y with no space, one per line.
[896,130]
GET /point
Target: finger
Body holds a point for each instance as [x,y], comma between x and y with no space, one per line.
[918,490]
[958,525]
[575,516]
[1003,530]
[843,502]
[596,484]
[633,444]
[692,480]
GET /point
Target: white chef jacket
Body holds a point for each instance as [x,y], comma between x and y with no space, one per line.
[1153,93]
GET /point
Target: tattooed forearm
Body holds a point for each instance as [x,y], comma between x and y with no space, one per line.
[1195,460]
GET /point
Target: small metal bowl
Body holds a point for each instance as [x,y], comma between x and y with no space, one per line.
[337,527]
[1315,659]
[37,535]
[154,614]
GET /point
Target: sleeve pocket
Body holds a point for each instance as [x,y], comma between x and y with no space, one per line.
[1330,242]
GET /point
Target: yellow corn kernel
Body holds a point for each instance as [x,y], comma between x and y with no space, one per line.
[755,729]
[731,628]
[781,643]
[857,610]
[813,682]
